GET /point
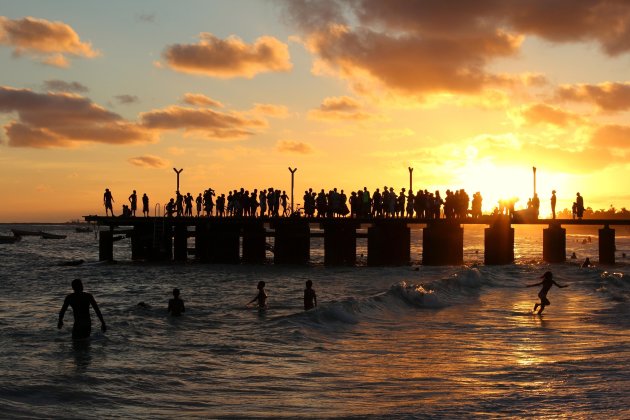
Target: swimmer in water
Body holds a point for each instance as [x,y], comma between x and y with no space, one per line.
[176,305]
[546,283]
[261,297]
[80,302]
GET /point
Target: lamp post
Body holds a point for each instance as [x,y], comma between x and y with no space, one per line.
[178,172]
[410,178]
[534,168]
[292,184]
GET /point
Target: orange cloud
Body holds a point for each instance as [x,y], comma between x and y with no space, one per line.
[291,146]
[546,114]
[63,120]
[615,136]
[149,161]
[340,108]
[40,37]
[607,96]
[198,99]
[419,48]
[227,58]
[277,111]
[207,122]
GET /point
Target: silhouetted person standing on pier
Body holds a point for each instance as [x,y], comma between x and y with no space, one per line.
[546,285]
[145,205]
[579,210]
[553,204]
[133,200]
[80,302]
[108,199]
[310,298]
[176,305]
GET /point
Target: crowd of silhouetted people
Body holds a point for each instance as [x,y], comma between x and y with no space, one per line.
[385,203]
[273,202]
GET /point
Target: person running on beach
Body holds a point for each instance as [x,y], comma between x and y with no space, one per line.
[547,282]
[310,298]
[80,302]
[176,305]
[261,297]
[108,199]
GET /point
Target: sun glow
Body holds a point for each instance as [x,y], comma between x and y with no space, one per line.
[504,182]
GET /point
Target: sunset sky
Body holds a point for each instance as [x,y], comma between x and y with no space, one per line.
[114,94]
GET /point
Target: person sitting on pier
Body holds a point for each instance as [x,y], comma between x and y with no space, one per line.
[176,305]
[261,297]
[546,283]
[310,298]
[80,302]
[170,208]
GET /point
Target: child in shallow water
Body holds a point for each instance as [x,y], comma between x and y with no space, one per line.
[261,297]
[546,285]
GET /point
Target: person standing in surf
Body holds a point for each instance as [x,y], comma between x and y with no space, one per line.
[80,302]
[261,297]
[546,283]
[310,298]
[176,305]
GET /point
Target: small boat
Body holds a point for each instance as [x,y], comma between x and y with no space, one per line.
[9,239]
[20,232]
[83,229]
[46,235]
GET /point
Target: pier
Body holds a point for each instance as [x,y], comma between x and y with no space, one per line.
[234,240]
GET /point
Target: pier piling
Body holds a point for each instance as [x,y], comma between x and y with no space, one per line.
[292,243]
[443,243]
[499,243]
[254,242]
[554,244]
[607,246]
[340,242]
[106,245]
[389,243]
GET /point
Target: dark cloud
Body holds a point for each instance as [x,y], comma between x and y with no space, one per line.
[61,86]
[204,121]
[63,120]
[145,17]
[227,58]
[127,99]
[420,47]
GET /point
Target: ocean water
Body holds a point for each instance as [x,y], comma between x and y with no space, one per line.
[395,342]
